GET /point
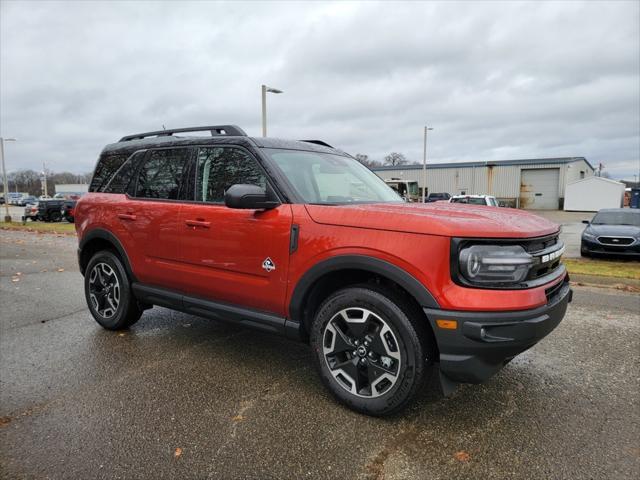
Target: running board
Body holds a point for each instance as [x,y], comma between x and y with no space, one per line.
[264,321]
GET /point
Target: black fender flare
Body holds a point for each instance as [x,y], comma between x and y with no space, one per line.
[357,262]
[102,234]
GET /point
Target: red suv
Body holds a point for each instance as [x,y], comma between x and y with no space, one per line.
[298,238]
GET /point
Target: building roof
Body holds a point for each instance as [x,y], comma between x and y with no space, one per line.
[489,163]
[596,179]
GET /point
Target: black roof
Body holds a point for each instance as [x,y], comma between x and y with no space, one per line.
[227,134]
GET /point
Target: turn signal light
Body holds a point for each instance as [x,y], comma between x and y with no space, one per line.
[447,324]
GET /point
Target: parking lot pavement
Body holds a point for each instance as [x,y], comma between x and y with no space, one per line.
[177,396]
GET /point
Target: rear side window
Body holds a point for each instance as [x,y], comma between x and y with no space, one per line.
[107,166]
[124,181]
[221,167]
[162,175]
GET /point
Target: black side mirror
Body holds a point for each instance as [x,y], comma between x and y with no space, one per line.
[248,197]
[585,221]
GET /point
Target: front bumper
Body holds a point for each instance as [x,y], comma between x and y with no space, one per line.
[595,247]
[484,342]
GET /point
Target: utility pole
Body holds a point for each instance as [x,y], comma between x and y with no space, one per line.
[7,216]
[424,165]
[266,89]
[44,179]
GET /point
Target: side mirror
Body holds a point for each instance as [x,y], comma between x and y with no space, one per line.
[585,221]
[248,197]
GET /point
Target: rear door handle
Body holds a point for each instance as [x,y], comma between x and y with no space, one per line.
[127,216]
[197,223]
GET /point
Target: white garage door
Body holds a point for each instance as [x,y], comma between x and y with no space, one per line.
[539,189]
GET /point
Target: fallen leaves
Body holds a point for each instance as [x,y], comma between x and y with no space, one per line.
[462,456]
[238,418]
[177,453]
[61,269]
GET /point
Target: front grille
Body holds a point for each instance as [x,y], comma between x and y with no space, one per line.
[615,240]
[552,291]
[537,245]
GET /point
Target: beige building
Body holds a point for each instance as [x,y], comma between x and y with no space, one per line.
[537,183]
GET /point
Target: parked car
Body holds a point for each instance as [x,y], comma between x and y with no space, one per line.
[613,231]
[30,212]
[487,200]
[436,197]
[15,197]
[24,201]
[68,208]
[271,234]
[44,197]
[50,210]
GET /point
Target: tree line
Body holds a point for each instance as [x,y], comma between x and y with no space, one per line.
[30,181]
[393,159]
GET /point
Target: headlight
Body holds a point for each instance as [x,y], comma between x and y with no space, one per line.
[491,264]
[588,235]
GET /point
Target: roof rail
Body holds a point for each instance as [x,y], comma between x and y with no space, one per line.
[318,142]
[216,130]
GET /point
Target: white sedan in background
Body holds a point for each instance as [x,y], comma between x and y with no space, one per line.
[487,200]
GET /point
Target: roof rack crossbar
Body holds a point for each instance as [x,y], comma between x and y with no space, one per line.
[317,142]
[216,130]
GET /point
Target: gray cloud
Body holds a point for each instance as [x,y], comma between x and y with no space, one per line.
[496,79]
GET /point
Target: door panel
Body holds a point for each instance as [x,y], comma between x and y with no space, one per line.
[223,249]
[150,215]
[224,260]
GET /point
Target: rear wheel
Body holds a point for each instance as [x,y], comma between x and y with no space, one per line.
[108,292]
[56,216]
[371,349]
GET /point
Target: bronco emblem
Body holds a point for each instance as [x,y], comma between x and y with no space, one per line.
[268,265]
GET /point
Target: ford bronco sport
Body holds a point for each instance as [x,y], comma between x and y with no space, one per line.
[299,239]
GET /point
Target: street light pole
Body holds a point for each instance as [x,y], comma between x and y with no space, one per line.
[7,216]
[424,165]
[266,89]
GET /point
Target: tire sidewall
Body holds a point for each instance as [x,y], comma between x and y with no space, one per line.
[412,366]
[118,320]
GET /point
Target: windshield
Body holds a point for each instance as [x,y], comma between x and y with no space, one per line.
[471,201]
[617,218]
[328,179]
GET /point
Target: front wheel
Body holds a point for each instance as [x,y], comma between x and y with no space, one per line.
[372,349]
[108,292]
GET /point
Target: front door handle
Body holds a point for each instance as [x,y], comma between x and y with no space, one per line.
[197,223]
[127,216]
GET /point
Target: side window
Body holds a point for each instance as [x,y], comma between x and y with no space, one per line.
[221,167]
[106,167]
[124,181]
[162,174]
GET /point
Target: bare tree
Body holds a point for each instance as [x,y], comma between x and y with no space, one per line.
[394,159]
[364,159]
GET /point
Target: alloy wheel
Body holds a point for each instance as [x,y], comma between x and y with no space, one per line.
[104,290]
[361,352]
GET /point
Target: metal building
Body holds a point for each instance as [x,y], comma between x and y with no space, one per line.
[537,183]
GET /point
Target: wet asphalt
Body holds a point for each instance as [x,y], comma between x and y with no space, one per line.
[177,396]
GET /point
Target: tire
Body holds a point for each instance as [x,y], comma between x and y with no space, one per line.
[106,273]
[56,216]
[584,252]
[378,338]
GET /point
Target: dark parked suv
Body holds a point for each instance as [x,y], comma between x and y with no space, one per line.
[299,239]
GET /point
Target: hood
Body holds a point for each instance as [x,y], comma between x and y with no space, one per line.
[447,219]
[613,230]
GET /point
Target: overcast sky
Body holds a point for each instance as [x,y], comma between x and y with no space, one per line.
[496,80]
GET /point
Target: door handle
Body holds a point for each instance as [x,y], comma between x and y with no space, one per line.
[127,216]
[197,223]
